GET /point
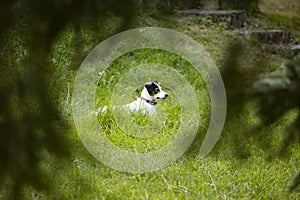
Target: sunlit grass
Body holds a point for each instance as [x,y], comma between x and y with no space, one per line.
[157,130]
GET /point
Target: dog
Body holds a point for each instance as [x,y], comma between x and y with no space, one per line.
[146,102]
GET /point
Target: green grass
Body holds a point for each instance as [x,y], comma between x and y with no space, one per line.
[288,8]
[282,15]
[223,174]
[147,65]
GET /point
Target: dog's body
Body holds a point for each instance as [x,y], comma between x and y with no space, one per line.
[146,102]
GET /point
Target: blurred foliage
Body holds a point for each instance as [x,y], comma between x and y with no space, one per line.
[277,94]
[274,94]
[30,123]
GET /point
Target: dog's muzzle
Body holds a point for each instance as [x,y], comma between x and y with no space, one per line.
[166,95]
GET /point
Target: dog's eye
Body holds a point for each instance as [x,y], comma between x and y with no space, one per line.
[156,90]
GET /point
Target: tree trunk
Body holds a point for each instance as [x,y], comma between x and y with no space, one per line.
[240,4]
[210,4]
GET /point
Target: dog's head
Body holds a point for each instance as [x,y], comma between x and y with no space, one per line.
[154,90]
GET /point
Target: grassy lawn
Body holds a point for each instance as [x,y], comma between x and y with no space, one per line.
[237,166]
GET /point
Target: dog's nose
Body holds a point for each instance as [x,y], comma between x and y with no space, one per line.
[166,95]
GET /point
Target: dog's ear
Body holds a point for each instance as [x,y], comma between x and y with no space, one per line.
[148,85]
[155,82]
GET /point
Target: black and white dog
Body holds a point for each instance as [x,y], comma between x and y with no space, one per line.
[146,102]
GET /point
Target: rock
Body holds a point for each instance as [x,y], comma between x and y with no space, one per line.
[292,50]
[295,48]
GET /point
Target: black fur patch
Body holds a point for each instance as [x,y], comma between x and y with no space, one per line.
[152,88]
